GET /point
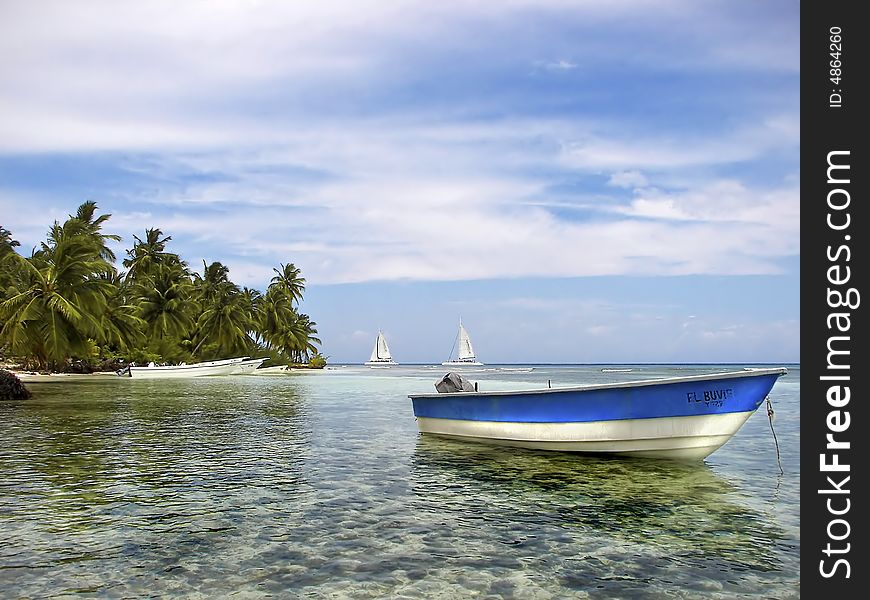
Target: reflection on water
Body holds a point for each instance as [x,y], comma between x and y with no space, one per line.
[683,509]
[319,485]
[96,471]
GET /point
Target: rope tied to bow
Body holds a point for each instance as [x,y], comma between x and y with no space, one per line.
[770,415]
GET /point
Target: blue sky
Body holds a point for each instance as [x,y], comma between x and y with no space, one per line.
[580,181]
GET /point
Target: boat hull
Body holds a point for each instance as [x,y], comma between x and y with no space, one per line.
[464,363]
[204,369]
[684,438]
[684,417]
[248,366]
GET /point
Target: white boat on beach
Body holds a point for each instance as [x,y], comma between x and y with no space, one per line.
[248,366]
[227,366]
[381,357]
[465,356]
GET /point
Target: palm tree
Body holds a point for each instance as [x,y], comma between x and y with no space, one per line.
[88,226]
[148,254]
[165,304]
[226,319]
[8,268]
[286,331]
[274,316]
[252,298]
[214,277]
[120,327]
[67,297]
[59,303]
[289,281]
[306,340]
[282,328]
[225,322]
[7,244]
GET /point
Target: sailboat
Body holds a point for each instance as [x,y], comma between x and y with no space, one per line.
[465,354]
[381,356]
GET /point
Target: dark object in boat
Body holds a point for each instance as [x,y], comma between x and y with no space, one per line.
[454,382]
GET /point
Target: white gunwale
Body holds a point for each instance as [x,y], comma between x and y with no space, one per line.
[623,384]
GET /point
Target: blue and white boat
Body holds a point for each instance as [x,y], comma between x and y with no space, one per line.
[679,417]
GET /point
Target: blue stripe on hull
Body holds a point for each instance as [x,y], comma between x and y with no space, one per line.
[670,399]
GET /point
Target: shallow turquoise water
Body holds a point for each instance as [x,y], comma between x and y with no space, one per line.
[319,485]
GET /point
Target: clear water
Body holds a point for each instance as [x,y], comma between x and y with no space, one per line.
[319,485]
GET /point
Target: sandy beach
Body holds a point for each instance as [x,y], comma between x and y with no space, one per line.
[34,376]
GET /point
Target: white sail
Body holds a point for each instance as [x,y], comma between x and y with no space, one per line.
[465,351]
[381,352]
[374,355]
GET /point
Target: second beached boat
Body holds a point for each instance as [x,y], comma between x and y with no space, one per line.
[248,366]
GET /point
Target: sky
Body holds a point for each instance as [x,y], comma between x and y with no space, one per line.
[579,181]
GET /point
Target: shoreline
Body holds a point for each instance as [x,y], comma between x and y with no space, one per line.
[34,376]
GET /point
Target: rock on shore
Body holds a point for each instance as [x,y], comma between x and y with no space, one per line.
[11,387]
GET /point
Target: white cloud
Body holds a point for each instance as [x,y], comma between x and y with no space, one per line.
[233,89]
[100,74]
[599,330]
[727,201]
[628,179]
[457,226]
[673,150]
[560,65]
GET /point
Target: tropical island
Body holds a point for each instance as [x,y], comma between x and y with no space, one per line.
[68,308]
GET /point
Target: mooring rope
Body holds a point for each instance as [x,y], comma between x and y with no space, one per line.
[770,415]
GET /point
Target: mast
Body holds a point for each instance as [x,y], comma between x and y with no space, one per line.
[374,355]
